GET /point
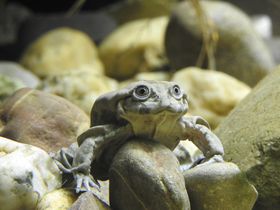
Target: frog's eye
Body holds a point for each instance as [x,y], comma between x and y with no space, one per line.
[176,92]
[142,92]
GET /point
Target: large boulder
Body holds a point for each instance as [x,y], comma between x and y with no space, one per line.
[251,137]
[41,119]
[27,173]
[61,50]
[146,175]
[240,51]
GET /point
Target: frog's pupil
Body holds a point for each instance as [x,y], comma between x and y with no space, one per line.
[142,91]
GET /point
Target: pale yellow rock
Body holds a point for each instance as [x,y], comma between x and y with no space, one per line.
[134,47]
[59,51]
[159,76]
[61,199]
[80,87]
[212,94]
[27,173]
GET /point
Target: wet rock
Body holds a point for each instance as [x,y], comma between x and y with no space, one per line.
[251,137]
[89,201]
[135,47]
[8,86]
[61,50]
[60,199]
[17,72]
[212,94]
[240,51]
[41,119]
[146,175]
[219,186]
[80,86]
[26,174]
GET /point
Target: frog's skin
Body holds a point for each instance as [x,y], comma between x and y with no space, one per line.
[148,109]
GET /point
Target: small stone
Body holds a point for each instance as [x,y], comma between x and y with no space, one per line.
[60,199]
[41,119]
[251,138]
[8,86]
[212,94]
[240,50]
[61,50]
[27,173]
[88,201]
[17,72]
[81,87]
[146,175]
[134,47]
[219,186]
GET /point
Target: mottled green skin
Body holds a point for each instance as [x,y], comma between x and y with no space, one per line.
[251,137]
[156,114]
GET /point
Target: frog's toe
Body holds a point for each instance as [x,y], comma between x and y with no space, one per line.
[85,183]
[64,158]
[214,159]
[62,167]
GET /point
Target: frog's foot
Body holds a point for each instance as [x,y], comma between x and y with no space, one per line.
[63,161]
[85,182]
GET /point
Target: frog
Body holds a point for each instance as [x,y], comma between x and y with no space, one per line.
[151,110]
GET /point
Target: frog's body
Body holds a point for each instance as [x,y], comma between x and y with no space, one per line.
[150,109]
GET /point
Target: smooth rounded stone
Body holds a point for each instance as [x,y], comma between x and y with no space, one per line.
[81,87]
[219,186]
[41,119]
[146,175]
[17,72]
[273,44]
[61,199]
[251,138]
[134,47]
[27,173]
[212,94]
[61,50]
[159,76]
[88,201]
[240,51]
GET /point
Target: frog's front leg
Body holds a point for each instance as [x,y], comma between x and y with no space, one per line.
[197,130]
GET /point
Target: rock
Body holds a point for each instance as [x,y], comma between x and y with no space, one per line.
[41,119]
[80,86]
[135,47]
[240,51]
[125,11]
[59,51]
[212,94]
[146,175]
[263,25]
[88,201]
[60,199]
[8,86]
[219,186]
[17,72]
[251,138]
[274,45]
[27,173]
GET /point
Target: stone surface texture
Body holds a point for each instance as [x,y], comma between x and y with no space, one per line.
[146,175]
[26,174]
[59,51]
[212,94]
[60,199]
[41,119]
[240,51]
[134,47]
[219,186]
[251,137]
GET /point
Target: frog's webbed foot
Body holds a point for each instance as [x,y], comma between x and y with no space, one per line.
[85,182]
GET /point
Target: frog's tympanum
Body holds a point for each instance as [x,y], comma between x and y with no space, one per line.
[148,109]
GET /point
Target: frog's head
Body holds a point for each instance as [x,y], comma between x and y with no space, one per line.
[153,98]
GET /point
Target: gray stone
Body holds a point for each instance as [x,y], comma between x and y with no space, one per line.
[219,186]
[146,175]
[251,137]
[240,51]
[88,201]
[8,86]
